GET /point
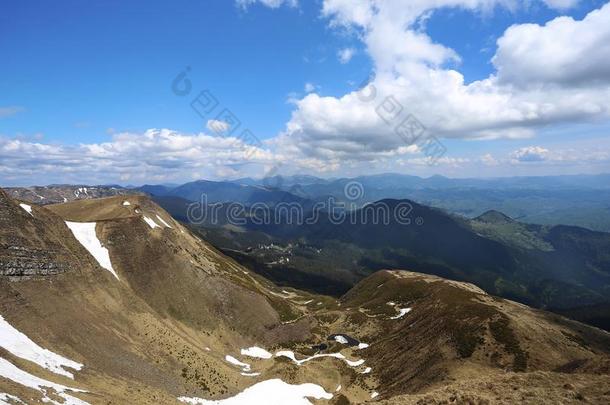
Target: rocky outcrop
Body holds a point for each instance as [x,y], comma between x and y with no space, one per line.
[21,252]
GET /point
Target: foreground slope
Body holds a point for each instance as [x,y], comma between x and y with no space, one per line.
[111,300]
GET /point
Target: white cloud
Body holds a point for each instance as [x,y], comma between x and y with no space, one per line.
[488,160]
[346,54]
[530,154]
[153,155]
[309,87]
[564,156]
[568,83]
[11,110]
[217,127]
[564,52]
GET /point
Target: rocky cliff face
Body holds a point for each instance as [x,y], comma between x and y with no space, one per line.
[27,247]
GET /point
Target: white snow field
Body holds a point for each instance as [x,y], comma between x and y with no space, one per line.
[4,398]
[291,356]
[13,373]
[27,208]
[341,339]
[84,232]
[163,222]
[150,222]
[401,312]
[23,347]
[256,352]
[269,392]
[245,366]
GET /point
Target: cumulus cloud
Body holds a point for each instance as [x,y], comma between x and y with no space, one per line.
[564,52]
[11,110]
[564,156]
[568,83]
[309,87]
[217,127]
[345,55]
[488,160]
[156,154]
[530,154]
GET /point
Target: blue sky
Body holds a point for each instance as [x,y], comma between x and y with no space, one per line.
[80,69]
[76,73]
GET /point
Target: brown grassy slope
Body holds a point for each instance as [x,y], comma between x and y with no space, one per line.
[143,337]
[177,273]
[455,331]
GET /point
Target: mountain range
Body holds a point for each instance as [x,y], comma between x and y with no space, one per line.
[111,300]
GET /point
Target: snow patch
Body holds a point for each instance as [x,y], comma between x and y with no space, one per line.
[23,347]
[126,203]
[375,394]
[367,370]
[250,374]
[269,392]
[341,339]
[84,232]
[338,388]
[4,398]
[256,352]
[233,360]
[151,223]
[362,346]
[13,373]
[27,208]
[289,354]
[401,312]
[163,222]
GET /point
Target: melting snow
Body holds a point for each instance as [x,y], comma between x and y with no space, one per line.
[21,346]
[401,312]
[291,356]
[362,346]
[250,374]
[341,339]
[338,388]
[151,223]
[126,203]
[4,398]
[27,208]
[256,352]
[85,234]
[375,394]
[233,360]
[270,392]
[13,373]
[163,222]
[367,370]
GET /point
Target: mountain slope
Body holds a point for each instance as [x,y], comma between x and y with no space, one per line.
[550,267]
[180,320]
